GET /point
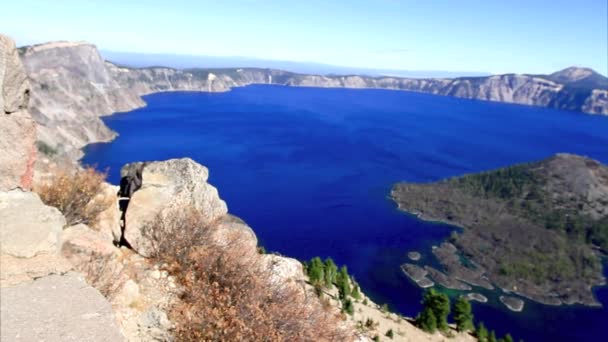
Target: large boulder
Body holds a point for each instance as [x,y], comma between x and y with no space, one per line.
[28,226]
[17,129]
[175,184]
[56,308]
[31,237]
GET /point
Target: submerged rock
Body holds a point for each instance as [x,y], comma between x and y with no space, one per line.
[417,274]
[447,281]
[414,256]
[513,303]
[478,297]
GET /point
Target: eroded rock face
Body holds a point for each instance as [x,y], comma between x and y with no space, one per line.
[17,129]
[71,89]
[169,185]
[57,308]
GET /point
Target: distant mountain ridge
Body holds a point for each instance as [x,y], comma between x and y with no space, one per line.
[73,86]
[176,61]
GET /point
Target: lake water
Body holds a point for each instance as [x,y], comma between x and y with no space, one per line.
[311,169]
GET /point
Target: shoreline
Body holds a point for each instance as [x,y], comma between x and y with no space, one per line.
[422,217]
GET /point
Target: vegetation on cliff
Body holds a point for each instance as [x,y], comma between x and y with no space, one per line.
[76,193]
[435,312]
[534,228]
[228,294]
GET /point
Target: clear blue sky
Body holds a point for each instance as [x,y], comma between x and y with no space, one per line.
[525,36]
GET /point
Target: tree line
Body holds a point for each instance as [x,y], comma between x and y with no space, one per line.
[435,312]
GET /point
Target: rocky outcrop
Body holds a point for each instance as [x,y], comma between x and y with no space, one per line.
[167,186]
[41,298]
[31,238]
[28,227]
[17,129]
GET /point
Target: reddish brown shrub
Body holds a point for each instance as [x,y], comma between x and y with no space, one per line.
[228,294]
[78,194]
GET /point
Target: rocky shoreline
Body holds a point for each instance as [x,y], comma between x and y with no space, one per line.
[445,202]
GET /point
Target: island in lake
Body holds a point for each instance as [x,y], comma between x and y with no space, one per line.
[538,229]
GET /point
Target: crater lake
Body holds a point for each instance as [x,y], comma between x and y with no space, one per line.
[310,170]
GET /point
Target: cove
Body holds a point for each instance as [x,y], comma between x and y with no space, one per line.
[310,170]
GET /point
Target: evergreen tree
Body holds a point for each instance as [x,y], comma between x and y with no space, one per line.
[508,338]
[463,315]
[481,333]
[331,270]
[355,293]
[439,303]
[390,334]
[343,282]
[348,307]
[426,320]
[492,337]
[315,271]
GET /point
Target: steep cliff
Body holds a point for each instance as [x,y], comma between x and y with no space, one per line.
[73,86]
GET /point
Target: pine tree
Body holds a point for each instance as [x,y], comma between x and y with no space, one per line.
[331,270]
[355,293]
[439,303]
[508,338]
[343,282]
[426,320]
[348,307]
[492,337]
[390,334]
[315,271]
[463,315]
[481,333]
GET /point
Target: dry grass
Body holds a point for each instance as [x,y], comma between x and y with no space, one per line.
[103,273]
[228,295]
[78,194]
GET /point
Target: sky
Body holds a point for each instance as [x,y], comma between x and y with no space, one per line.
[497,36]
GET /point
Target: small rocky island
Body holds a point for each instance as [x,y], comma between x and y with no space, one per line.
[536,229]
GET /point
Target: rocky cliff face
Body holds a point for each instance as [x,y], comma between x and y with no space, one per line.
[72,86]
[71,89]
[17,129]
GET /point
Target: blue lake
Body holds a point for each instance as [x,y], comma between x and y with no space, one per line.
[311,170]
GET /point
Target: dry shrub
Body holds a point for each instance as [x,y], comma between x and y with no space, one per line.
[228,293]
[102,272]
[78,194]
[173,235]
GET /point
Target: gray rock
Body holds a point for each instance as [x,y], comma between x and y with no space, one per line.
[17,129]
[417,274]
[476,297]
[13,80]
[57,308]
[28,227]
[169,185]
[414,256]
[513,303]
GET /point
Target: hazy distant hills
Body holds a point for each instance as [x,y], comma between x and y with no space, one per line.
[141,60]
